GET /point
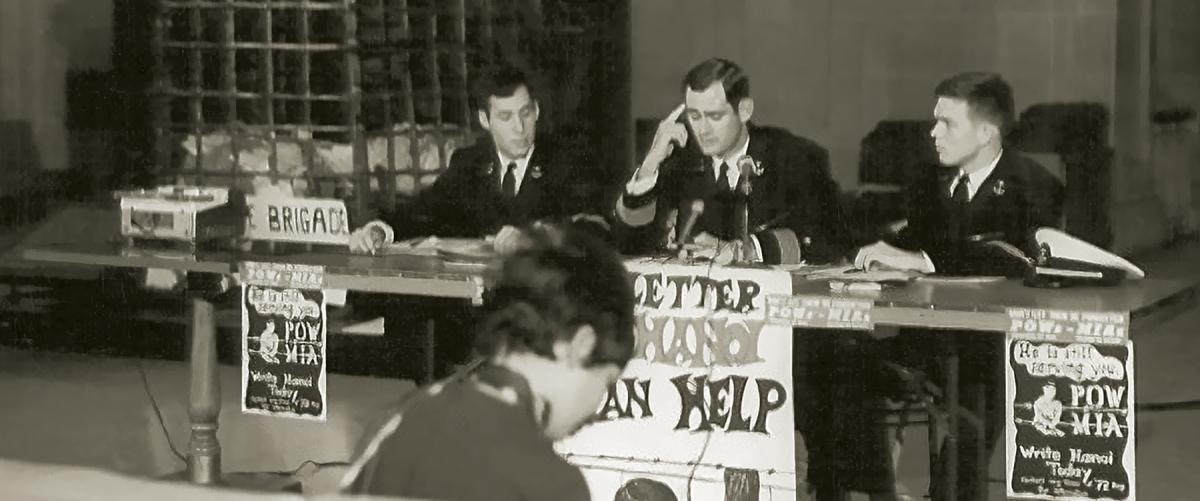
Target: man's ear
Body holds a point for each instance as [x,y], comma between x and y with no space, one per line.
[483,120]
[576,351]
[745,109]
[987,132]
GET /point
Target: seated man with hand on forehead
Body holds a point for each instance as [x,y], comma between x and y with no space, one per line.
[557,330]
[702,154]
[694,169]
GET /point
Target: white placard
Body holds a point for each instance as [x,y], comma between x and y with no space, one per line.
[303,220]
[705,406]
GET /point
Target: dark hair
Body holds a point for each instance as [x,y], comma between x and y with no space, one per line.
[987,95]
[733,79]
[498,81]
[644,489]
[560,280]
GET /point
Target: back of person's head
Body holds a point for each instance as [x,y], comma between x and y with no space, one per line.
[559,280]
[501,80]
[731,77]
[987,95]
[644,489]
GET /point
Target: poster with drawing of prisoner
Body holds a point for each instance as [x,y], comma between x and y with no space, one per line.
[283,341]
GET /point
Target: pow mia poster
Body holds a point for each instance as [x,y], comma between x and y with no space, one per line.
[704,409]
[1070,417]
[283,340]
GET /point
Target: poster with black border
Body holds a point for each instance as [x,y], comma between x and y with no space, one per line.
[1069,406]
[283,340]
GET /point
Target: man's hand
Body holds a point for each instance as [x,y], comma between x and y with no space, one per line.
[372,237]
[881,255]
[706,239]
[718,251]
[670,134]
[508,240]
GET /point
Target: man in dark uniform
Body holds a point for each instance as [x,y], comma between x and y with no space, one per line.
[959,215]
[557,330]
[691,177]
[975,215]
[700,180]
[513,177]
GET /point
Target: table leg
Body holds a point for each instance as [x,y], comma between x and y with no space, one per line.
[430,351]
[952,405]
[979,407]
[204,404]
[934,440]
[836,352]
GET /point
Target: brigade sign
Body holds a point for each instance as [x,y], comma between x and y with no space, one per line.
[283,340]
[1070,420]
[704,407]
[303,220]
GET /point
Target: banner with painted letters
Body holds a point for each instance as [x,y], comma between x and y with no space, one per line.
[283,340]
[704,408]
[1070,405]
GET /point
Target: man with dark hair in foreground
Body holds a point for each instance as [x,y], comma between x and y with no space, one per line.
[556,330]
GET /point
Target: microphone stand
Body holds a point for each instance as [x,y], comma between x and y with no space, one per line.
[748,171]
[688,216]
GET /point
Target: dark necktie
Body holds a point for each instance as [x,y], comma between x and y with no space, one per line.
[959,199]
[961,194]
[723,177]
[509,186]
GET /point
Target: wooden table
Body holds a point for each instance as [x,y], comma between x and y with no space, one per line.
[948,304]
[391,274]
[935,304]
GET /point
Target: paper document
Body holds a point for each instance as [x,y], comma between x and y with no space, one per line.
[848,273]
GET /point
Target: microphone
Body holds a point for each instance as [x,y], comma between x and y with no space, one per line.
[748,169]
[696,209]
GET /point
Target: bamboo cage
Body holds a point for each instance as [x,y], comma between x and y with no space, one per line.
[366,100]
[359,100]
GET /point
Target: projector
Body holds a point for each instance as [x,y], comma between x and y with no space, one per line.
[181,214]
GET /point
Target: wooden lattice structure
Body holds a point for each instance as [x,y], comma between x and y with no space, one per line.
[359,99]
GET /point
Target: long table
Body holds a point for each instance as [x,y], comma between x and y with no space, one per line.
[982,306]
[939,304]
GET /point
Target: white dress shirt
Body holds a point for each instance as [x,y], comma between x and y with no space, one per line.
[976,178]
